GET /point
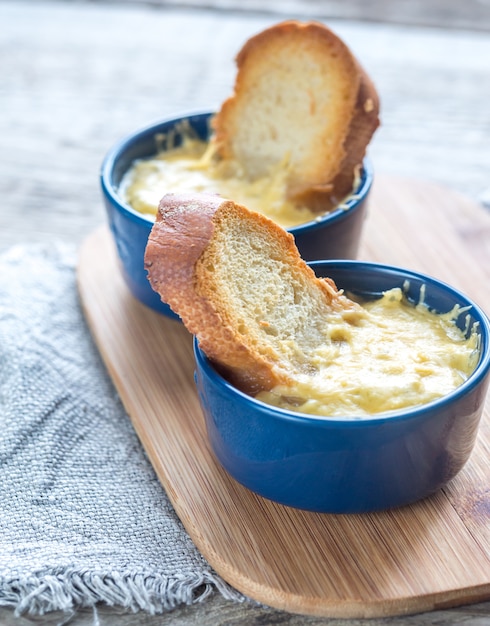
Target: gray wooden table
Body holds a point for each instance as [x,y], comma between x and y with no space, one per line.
[76,77]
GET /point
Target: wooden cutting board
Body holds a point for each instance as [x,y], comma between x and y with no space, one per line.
[430,555]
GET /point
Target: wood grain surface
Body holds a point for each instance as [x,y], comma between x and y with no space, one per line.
[471,14]
[416,558]
[75,77]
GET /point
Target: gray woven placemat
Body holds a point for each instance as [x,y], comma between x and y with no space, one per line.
[83,518]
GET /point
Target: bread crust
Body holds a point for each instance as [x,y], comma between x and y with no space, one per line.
[363,124]
[325,116]
[185,264]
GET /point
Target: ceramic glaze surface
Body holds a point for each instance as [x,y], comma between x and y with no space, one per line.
[334,235]
[350,465]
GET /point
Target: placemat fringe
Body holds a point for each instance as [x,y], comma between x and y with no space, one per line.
[70,589]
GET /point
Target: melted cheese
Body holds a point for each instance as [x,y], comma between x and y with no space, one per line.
[395,355]
[192,167]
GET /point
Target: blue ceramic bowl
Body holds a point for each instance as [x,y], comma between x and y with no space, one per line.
[349,465]
[335,235]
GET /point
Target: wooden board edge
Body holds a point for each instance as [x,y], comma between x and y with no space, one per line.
[289,602]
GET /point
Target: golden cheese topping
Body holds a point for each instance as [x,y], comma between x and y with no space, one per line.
[394,355]
[192,167]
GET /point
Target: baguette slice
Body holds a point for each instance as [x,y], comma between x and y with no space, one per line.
[299,95]
[238,283]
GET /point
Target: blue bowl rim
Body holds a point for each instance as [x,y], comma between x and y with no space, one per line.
[348,205]
[401,415]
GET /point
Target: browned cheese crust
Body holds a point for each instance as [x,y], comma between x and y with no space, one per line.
[227,271]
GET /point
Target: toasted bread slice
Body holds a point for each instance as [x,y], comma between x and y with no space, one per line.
[238,283]
[301,96]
